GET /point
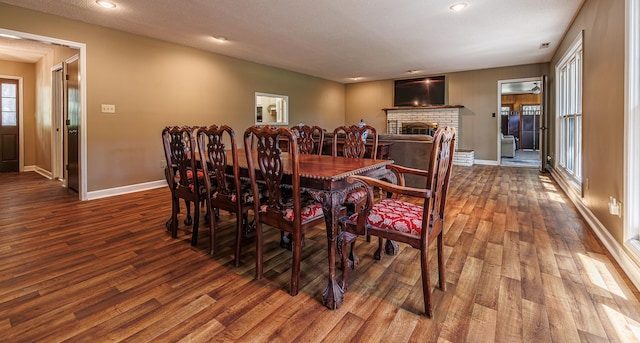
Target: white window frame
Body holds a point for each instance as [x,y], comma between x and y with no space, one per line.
[569,83]
[631,217]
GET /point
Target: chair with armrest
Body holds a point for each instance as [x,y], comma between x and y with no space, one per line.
[309,138]
[183,177]
[224,189]
[286,206]
[404,221]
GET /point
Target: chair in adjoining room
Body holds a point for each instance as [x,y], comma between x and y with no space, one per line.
[310,138]
[395,219]
[508,145]
[179,144]
[224,189]
[285,207]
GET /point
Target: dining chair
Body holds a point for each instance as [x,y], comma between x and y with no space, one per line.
[179,144]
[398,219]
[224,189]
[285,207]
[354,139]
[309,138]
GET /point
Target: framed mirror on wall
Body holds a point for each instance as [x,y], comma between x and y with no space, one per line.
[271,109]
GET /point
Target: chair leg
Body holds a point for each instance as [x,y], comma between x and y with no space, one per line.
[212,232]
[196,222]
[175,207]
[426,290]
[295,266]
[441,271]
[259,256]
[346,238]
[240,223]
[379,254]
[187,219]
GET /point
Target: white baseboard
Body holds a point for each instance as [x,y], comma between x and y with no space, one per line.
[486,162]
[29,168]
[103,193]
[43,172]
[617,250]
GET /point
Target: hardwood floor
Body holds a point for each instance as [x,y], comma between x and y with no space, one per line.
[521,266]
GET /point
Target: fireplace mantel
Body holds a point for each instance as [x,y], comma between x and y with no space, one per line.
[413,108]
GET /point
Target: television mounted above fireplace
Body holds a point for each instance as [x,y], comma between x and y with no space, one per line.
[424,91]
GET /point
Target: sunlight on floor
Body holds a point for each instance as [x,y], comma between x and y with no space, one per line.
[628,330]
[600,276]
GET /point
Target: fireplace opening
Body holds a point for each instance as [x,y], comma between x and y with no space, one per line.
[419,128]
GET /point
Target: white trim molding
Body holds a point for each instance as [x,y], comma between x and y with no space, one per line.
[486,162]
[103,193]
[618,251]
[631,217]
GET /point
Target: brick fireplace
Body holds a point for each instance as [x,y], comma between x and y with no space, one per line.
[425,120]
[408,120]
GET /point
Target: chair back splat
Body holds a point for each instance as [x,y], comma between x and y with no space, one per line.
[309,138]
[354,139]
[400,219]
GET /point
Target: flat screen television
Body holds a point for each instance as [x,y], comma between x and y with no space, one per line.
[424,91]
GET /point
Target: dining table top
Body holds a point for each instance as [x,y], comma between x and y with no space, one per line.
[324,166]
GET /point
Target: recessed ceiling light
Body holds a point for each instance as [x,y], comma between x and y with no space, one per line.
[106,4]
[458,7]
[220,39]
[411,71]
[356,78]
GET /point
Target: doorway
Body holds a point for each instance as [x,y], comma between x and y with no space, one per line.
[521,112]
[9,126]
[81,107]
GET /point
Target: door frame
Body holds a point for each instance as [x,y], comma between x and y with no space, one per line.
[20,120]
[82,47]
[58,159]
[543,114]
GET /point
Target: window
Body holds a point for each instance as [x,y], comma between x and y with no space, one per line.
[632,127]
[569,114]
[9,96]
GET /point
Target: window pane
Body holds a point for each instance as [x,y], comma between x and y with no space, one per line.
[8,90]
[570,144]
[9,119]
[578,133]
[9,104]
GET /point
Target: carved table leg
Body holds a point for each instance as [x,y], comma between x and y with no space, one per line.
[334,294]
[392,247]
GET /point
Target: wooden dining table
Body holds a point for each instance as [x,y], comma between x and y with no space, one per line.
[326,179]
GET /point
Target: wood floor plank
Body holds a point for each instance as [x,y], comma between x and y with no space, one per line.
[521,265]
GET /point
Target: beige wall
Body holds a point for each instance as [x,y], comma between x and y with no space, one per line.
[154,83]
[476,90]
[603,105]
[28,74]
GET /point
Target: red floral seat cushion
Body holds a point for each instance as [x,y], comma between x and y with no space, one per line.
[199,173]
[355,196]
[310,209]
[396,215]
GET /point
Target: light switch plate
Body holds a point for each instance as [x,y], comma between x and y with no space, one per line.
[107,108]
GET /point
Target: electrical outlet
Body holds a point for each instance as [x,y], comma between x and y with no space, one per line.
[614,207]
[107,108]
[163,163]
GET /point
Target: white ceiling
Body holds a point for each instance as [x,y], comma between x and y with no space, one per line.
[341,39]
